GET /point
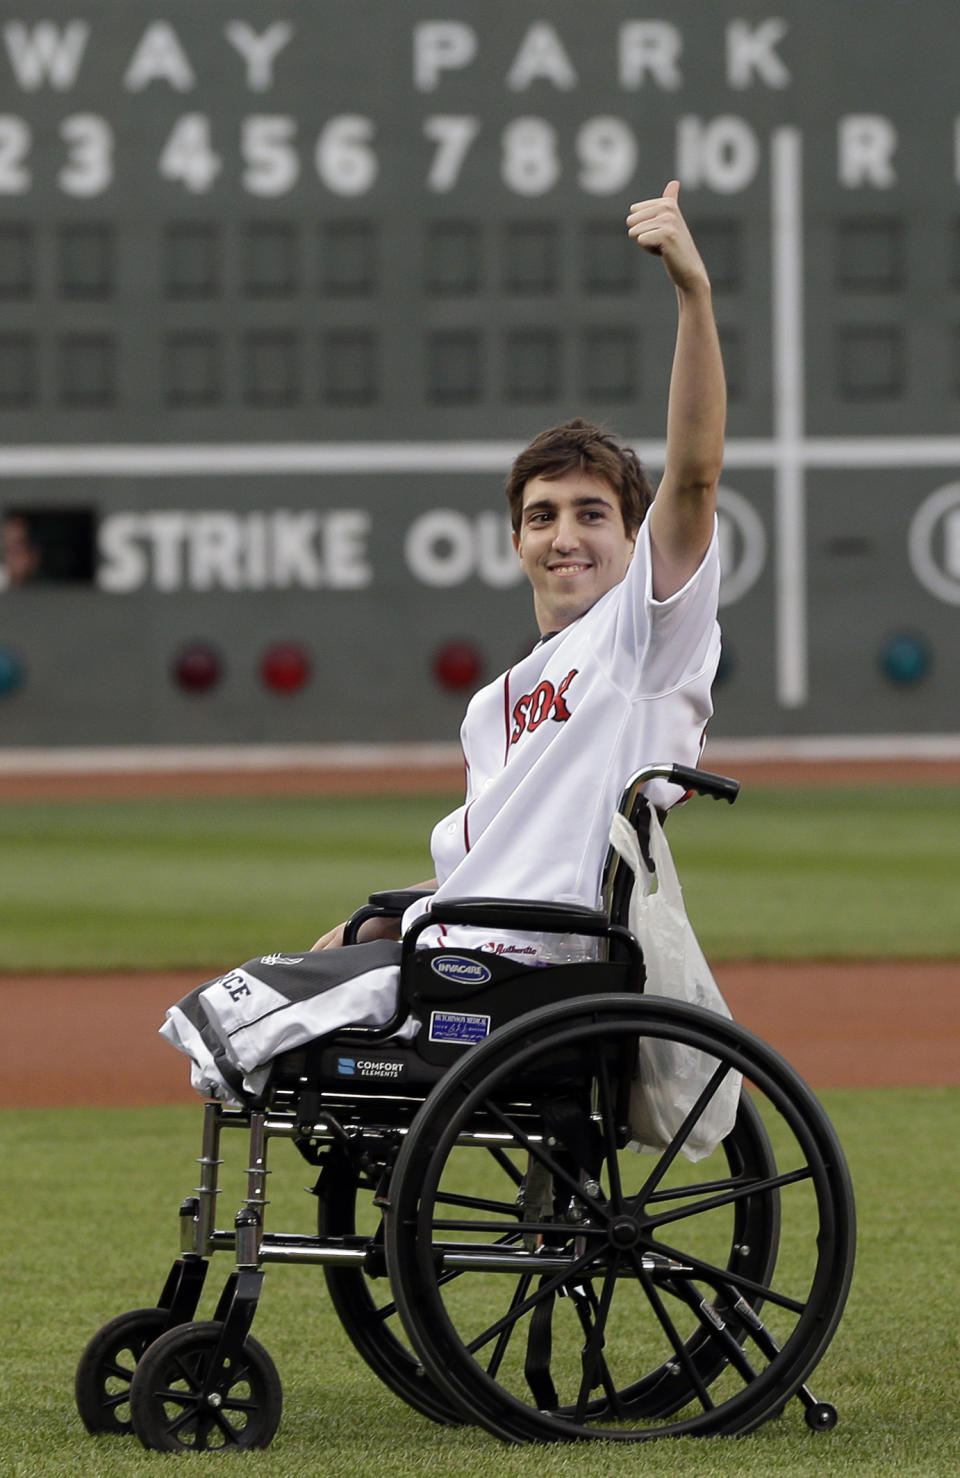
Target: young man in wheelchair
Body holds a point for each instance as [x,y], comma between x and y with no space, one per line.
[556,1287]
[625,587]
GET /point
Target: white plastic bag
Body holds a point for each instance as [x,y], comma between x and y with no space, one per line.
[670,1076]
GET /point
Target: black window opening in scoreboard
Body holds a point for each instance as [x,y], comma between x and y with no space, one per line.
[43,546]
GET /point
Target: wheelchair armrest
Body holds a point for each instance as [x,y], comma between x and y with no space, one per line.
[389,905]
[398,900]
[528,914]
[516,913]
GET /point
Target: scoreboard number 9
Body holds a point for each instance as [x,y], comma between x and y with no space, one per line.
[345,157]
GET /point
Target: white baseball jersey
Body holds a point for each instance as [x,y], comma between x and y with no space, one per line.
[550,745]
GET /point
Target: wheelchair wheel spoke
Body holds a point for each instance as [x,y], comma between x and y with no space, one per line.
[560,1173]
[232,1404]
[718,1278]
[192,1418]
[190,1373]
[678,1344]
[609,1129]
[114,1368]
[702,1188]
[175,1396]
[226,1428]
[669,1155]
[476,1203]
[594,1366]
[546,1288]
[119,1398]
[506,1334]
[512,1171]
[741,1191]
[585,1301]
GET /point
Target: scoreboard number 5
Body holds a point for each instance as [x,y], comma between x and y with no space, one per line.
[345,155]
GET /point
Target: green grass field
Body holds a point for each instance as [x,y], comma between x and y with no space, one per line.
[91,1225]
[91,1231]
[164,883]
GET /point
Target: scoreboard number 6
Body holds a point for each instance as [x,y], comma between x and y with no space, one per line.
[345,154]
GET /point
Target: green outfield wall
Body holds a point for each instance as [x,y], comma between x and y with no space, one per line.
[284,286]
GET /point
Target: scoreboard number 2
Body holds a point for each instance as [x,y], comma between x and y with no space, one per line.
[346,160]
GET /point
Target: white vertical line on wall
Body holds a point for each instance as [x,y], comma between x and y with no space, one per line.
[786,170]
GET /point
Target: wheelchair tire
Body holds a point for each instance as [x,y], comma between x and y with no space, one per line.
[556,1342]
[175,1407]
[753,1248]
[107,1365]
[365,1304]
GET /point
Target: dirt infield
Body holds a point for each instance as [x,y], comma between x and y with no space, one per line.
[401,780]
[840,1025]
[881,1024]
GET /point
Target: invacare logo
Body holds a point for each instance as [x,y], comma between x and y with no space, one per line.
[460,970]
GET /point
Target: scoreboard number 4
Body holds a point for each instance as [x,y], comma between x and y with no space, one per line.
[345,157]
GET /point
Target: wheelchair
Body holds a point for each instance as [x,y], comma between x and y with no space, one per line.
[494,1247]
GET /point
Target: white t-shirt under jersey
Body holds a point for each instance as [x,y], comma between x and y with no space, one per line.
[550,745]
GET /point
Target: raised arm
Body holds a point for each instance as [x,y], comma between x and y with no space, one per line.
[681,519]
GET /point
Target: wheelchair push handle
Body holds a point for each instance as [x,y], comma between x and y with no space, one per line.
[718,787]
[703,782]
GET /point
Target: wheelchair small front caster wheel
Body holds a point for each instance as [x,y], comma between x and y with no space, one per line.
[107,1367]
[179,1403]
[821,1416]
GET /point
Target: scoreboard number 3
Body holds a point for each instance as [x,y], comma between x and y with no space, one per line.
[345,156]
[88,144]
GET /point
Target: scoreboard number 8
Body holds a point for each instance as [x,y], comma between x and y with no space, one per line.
[345,156]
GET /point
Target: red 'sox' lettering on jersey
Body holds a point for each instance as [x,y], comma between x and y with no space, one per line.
[546,701]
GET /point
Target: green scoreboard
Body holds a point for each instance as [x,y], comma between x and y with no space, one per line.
[285,285]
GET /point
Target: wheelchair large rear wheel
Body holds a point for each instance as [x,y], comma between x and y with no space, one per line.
[363,1298]
[752,1245]
[640,1304]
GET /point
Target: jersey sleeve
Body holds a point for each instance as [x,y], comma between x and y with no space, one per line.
[657,645]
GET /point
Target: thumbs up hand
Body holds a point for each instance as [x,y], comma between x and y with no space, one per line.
[659,227]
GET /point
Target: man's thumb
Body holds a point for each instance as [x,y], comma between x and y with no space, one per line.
[672,190]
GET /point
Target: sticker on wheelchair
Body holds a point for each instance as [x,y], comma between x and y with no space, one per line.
[458,1028]
[382,1068]
[461,971]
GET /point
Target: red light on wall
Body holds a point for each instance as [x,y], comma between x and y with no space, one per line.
[285,667]
[457,666]
[197,667]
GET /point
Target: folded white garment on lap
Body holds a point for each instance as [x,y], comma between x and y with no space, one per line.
[232,1027]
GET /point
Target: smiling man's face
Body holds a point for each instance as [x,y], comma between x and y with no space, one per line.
[572,545]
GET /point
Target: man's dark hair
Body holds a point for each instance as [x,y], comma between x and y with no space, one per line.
[580,446]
